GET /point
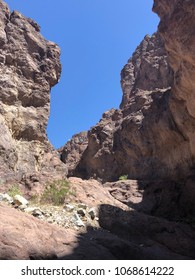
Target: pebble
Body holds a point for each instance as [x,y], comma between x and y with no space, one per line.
[77,221]
[82,205]
[29,210]
[6,197]
[19,200]
[37,212]
[73,216]
[81,212]
[22,207]
[69,207]
[92,213]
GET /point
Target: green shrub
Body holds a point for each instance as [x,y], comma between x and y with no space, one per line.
[14,190]
[56,192]
[123,177]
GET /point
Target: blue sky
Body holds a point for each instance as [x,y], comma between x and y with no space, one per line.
[96,38]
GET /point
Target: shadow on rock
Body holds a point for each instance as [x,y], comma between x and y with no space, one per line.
[172,200]
[136,236]
[157,237]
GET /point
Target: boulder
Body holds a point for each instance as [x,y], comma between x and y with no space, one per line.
[6,197]
[77,221]
[20,200]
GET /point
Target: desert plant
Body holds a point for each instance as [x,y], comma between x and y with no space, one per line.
[14,190]
[123,177]
[56,192]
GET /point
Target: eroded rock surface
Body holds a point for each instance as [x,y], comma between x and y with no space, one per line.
[152,135]
[137,139]
[119,233]
[150,139]
[25,237]
[73,150]
[29,67]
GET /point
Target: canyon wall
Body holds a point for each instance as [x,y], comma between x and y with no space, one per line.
[29,67]
[151,136]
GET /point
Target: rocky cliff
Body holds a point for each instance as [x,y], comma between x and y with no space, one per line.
[150,139]
[72,152]
[152,135]
[29,67]
[130,140]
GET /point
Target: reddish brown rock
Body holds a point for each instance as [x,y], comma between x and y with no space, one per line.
[92,193]
[173,200]
[153,136]
[158,237]
[137,139]
[72,152]
[127,235]
[29,67]
[177,30]
[25,237]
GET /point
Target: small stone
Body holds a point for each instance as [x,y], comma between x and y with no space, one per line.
[82,205]
[29,210]
[81,212]
[22,207]
[47,215]
[20,200]
[41,217]
[92,213]
[69,207]
[77,221]
[6,197]
[37,213]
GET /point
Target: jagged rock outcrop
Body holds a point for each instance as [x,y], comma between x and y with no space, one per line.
[152,135]
[130,140]
[177,30]
[72,151]
[29,67]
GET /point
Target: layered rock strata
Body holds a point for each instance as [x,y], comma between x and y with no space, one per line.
[29,67]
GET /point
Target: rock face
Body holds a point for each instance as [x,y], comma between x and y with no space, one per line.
[29,67]
[73,150]
[177,23]
[122,233]
[40,240]
[152,135]
[130,140]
